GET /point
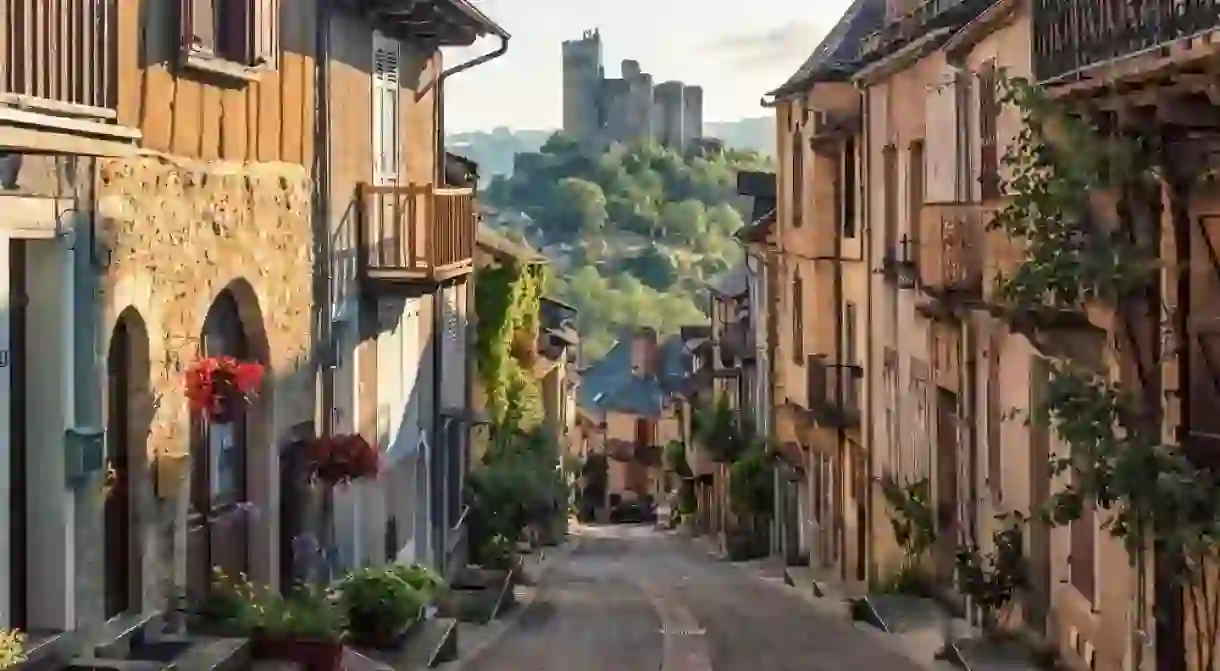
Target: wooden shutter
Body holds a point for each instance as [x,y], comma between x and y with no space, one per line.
[798,316]
[198,25]
[890,158]
[385,109]
[995,458]
[798,179]
[915,190]
[264,34]
[989,117]
[940,108]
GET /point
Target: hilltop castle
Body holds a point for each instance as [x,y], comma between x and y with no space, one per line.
[627,109]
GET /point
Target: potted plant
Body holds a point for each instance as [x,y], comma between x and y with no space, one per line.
[423,579]
[12,648]
[306,627]
[341,459]
[233,606]
[380,606]
[218,387]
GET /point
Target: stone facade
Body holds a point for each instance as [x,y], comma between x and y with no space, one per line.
[179,232]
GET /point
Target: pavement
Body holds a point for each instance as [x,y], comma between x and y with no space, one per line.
[633,598]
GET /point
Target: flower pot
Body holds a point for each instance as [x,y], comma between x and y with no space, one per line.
[311,654]
[365,635]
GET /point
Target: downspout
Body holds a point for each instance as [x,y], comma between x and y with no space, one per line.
[440,539]
[324,262]
[864,165]
[841,440]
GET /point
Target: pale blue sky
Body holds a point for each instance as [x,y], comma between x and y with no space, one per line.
[735,49]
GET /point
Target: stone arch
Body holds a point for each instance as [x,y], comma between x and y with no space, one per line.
[230,520]
[130,408]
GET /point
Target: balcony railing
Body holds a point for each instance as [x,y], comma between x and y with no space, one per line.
[834,392]
[1070,35]
[416,233]
[951,249]
[59,55]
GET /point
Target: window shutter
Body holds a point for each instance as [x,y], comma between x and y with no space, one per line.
[385,108]
[264,37]
[198,25]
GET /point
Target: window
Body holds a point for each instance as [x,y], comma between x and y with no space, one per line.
[1082,552]
[798,317]
[245,32]
[989,145]
[915,186]
[890,159]
[798,176]
[995,461]
[849,188]
[385,109]
[849,333]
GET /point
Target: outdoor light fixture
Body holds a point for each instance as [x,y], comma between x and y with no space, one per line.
[905,268]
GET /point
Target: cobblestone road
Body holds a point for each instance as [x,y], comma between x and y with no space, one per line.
[631,599]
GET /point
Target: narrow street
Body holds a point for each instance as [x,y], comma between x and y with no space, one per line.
[633,599]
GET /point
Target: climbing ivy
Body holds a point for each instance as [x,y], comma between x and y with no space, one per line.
[507,303]
[1150,494]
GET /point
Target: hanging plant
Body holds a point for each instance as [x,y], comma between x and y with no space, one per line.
[341,459]
[219,386]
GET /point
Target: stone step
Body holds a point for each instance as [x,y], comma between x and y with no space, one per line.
[214,654]
[121,634]
[99,664]
[430,643]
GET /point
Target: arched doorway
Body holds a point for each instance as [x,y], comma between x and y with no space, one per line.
[218,519]
[126,437]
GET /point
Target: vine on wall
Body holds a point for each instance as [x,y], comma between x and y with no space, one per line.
[1149,494]
[507,303]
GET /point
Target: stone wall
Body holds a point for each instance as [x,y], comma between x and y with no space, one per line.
[179,232]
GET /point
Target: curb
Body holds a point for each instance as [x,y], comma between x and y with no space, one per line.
[501,627]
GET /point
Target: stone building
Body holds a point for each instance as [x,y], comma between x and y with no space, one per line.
[597,109]
[176,196]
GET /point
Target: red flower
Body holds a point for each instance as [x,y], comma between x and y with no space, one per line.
[215,384]
[342,458]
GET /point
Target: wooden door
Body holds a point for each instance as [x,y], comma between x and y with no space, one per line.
[218,519]
[117,507]
[1039,551]
[18,454]
[947,514]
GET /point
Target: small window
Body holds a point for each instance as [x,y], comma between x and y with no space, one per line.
[890,158]
[989,144]
[798,321]
[798,177]
[245,32]
[849,333]
[849,188]
[915,187]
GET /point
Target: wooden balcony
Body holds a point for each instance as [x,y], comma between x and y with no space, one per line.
[834,392]
[952,245]
[1071,35]
[415,234]
[58,56]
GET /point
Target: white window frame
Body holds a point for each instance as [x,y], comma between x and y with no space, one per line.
[386,145]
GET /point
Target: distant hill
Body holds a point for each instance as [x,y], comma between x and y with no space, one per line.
[494,150]
[757,133]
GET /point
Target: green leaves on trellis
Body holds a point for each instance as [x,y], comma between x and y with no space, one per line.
[1055,165]
[507,303]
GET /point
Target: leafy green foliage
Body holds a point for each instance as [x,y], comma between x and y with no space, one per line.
[911,517]
[675,458]
[507,299]
[1149,494]
[722,430]
[992,578]
[379,603]
[640,229]
[752,488]
[1067,259]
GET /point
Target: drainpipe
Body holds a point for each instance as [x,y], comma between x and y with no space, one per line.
[439,535]
[322,229]
[864,165]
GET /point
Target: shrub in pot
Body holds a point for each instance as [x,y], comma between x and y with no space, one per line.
[424,580]
[306,627]
[380,606]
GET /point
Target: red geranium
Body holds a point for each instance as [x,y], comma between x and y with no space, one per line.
[343,458]
[218,385]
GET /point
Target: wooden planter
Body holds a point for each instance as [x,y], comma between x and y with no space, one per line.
[387,640]
[309,654]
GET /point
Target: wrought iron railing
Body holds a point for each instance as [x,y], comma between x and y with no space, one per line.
[1070,35]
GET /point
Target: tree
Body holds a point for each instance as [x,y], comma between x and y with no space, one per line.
[687,220]
[579,207]
[724,219]
[653,267]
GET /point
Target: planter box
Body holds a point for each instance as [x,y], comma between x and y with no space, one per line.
[388,643]
[478,595]
[312,655]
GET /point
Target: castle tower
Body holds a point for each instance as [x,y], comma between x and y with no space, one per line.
[582,80]
[669,114]
[692,114]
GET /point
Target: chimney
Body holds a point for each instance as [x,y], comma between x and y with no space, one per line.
[644,351]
